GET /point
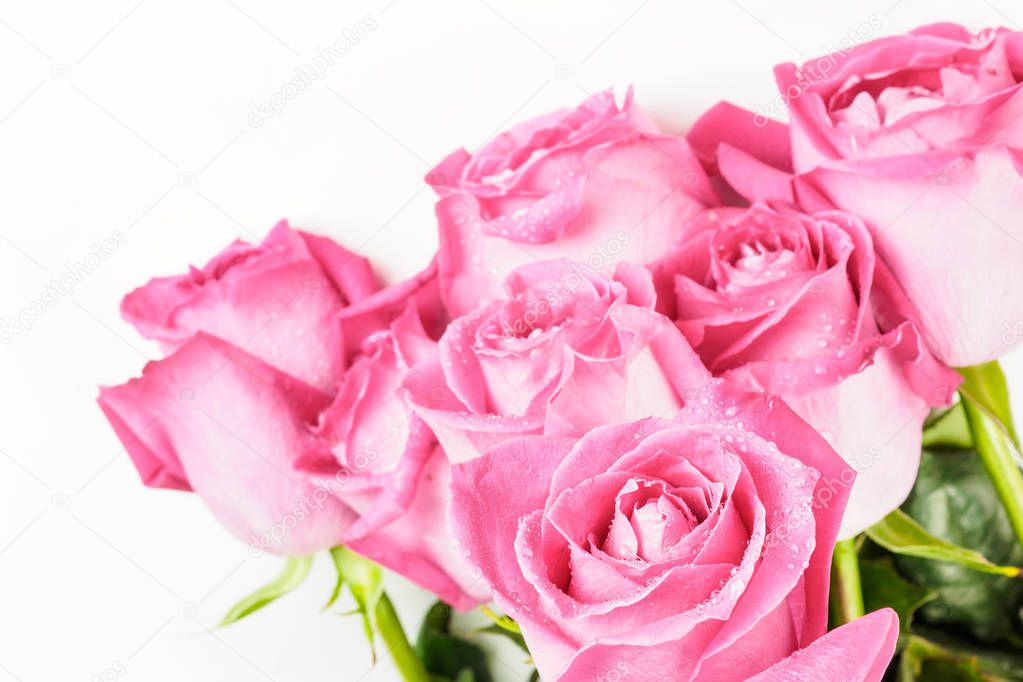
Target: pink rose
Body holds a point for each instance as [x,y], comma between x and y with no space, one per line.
[218,421]
[288,466]
[938,87]
[566,350]
[279,301]
[691,549]
[596,184]
[386,466]
[921,136]
[797,305]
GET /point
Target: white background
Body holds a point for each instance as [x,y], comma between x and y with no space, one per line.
[134,117]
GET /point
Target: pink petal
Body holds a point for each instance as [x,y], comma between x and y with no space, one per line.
[417,545]
[963,285]
[377,311]
[753,134]
[858,652]
[237,426]
[276,301]
[635,196]
[485,520]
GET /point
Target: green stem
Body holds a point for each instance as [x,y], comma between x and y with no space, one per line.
[402,653]
[846,592]
[986,404]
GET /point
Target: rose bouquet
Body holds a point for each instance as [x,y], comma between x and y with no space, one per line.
[665,407]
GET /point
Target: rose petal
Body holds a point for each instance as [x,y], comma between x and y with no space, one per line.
[485,522]
[961,284]
[635,195]
[754,135]
[417,546]
[236,425]
[276,301]
[858,651]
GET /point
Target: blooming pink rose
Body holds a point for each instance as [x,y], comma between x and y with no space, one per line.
[692,549]
[797,305]
[279,301]
[921,135]
[596,184]
[566,350]
[292,467]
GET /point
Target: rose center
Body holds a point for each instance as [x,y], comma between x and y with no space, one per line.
[649,519]
[899,94]
[759,260]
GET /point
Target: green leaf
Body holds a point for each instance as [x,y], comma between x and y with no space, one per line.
[404,657]
[291,576]
[365,581]
[336,592]
[446,654]
[950,670]
[925,661]
[467,675]
[900,534]
[985,400]
[503,626]
[516,638]
[883,586]
[500,620]
[936,656]
[955,501]
[985,385]
[948,429]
